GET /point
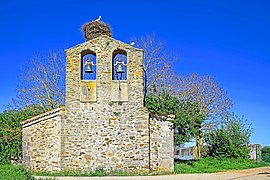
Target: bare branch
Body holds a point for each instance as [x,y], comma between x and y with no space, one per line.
[157,65]
[42,82]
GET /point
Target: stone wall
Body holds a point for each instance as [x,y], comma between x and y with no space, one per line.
[104,124]
[161,145]
[112,131]
[41,141]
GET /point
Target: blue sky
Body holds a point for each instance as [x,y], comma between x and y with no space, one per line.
[228,39]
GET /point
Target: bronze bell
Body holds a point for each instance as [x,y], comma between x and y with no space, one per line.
[120,69]
[89,67]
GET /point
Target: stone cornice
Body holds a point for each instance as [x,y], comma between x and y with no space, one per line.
[42,117]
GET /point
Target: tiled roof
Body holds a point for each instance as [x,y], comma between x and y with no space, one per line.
[42,117]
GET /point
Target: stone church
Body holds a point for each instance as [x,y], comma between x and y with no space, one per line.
[104,123]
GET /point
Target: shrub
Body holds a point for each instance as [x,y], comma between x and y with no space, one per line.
[11,132]
[266,154]
[231,140]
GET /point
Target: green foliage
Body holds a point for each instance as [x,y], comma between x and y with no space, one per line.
[116,113]
[188,119]
[10,133]
[11,172]
[266,154]
[162,104]
[231,140]
[210,165]
[187,122]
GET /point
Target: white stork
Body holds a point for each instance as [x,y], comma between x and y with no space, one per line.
[98,19]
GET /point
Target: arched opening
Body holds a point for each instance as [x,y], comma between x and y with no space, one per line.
[119,65]
[88,65]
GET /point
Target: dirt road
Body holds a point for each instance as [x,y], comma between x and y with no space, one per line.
[262,173]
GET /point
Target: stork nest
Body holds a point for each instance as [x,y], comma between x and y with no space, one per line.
[95,29]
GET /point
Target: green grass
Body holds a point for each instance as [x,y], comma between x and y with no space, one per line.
[12,172]
[98,172]
[205,165]
[211,165]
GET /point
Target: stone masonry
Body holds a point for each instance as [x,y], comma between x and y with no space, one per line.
[104,123]
[161,146]
[102,132]
[41,141]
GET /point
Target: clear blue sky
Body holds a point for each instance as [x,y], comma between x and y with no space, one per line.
[228,39]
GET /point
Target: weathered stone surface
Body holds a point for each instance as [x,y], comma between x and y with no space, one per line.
[104,125]
[113,120]
[41,142]
[161,145]
[88,91]
[119,91]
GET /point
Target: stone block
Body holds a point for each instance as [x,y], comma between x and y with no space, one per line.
[88,91]
[119,91]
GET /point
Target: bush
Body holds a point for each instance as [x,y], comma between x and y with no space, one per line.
[266,154]
[11,132]
[231,140]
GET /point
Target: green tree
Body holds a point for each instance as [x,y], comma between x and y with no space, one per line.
[231,140]
[11,132]
[187,120]
[213,102]
[266,154]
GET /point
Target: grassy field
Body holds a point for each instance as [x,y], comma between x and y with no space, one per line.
[210,165]
[12,172]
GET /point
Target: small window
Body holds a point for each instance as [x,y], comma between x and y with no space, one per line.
[88,66]
[119,65]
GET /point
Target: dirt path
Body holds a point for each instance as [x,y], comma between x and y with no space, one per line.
[254,173]
[262,173]
[260,170]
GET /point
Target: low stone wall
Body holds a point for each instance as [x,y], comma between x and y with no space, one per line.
[41,141]
[161,146]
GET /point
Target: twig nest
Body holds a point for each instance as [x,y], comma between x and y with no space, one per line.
[95,29]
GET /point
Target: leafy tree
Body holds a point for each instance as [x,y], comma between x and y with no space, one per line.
[204,91]
[11,132]
[212,100]
[187,122]
[187,118]
[231,140]
[162,104]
